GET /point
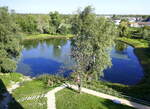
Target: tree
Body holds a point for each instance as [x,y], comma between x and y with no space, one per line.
[55,21]
[27,23]
[146,32]
[9,44]
[43,23]
[115,17]
[123,28]
[91,45]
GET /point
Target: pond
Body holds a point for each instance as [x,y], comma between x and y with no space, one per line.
[52,56]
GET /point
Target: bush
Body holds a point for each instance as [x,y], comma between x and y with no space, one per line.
[51,80]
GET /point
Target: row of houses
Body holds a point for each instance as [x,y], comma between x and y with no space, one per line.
[137,21]
[134,22]
[139,24]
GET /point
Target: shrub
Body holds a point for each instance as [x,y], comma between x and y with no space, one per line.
[51,80]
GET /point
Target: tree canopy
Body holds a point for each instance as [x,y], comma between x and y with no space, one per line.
[9,44]
[92,43]
[123,28]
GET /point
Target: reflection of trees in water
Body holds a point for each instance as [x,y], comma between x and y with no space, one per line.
[30,44]
[120,46]
[56,51]
[34,43]
[23,68]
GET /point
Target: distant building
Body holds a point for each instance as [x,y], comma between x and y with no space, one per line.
[117,22]
[134,24]
[139,24]
[142,24]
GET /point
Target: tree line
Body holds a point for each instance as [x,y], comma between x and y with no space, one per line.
[54,23]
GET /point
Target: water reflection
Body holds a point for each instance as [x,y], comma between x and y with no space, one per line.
[120,51]
[53,56]
[44,56]
[119,46]
[126,68]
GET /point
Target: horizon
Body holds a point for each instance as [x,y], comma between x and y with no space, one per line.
[107,7]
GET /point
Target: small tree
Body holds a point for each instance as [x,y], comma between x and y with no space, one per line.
[146,32]
[123,28]
[91,45]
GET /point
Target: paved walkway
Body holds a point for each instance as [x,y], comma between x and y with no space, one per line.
[51,103]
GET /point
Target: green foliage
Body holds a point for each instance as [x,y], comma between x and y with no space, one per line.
[45,36]
[146,32]
[55,21]
[10,77]
[115,17]
[64,29]
[27,23]
[119,46]
[73,100]
[9,44]
[123,29]
[31,88]
[51,80]
[137,43]
[43,24]
[93,40]
[58,24]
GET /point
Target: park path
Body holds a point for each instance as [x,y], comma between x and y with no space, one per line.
[51,103]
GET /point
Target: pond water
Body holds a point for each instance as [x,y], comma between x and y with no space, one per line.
[53,57]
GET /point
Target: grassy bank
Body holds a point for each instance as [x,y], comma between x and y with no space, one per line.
[37,87]
[44,36]
[69,99]
[34,88]
[10,78]
[27,90]
[136,43]
[6,80]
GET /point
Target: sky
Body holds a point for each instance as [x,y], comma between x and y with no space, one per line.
[70,6]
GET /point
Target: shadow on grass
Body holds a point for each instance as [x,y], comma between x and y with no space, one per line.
[72,89]
[6,98]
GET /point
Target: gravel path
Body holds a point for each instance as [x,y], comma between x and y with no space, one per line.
[51,103]
[113,98]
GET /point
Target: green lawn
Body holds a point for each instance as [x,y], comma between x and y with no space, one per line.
[9,78]
[45,36]
[137,43]
[31,88]
[40,103]
[36,87]
[69,99]
[6,80]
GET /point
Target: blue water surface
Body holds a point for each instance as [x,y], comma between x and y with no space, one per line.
[53,55]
